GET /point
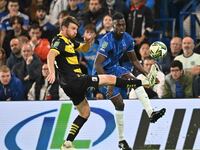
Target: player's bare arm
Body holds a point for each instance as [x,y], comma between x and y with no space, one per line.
[98,64]
[50,62]
[135,62]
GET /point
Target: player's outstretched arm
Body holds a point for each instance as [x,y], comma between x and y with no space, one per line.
[98,64]
[135,62]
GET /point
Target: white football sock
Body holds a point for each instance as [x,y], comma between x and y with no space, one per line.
[119,115]
[143,97]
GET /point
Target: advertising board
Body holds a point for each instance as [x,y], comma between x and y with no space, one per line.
[42,125]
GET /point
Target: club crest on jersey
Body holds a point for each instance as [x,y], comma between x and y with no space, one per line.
[55,45]
[104,45]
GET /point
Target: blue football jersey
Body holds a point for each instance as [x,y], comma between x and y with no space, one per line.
[114,49]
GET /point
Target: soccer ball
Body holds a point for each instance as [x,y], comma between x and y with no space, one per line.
[158,50]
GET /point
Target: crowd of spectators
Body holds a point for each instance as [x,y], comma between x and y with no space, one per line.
[27,28]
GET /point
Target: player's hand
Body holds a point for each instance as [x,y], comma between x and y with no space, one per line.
[51,78]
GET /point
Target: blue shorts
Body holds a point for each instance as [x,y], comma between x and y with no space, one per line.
[118,71]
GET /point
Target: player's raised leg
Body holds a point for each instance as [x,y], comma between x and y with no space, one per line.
[140,92]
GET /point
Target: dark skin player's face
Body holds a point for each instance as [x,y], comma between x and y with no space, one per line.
[119,27]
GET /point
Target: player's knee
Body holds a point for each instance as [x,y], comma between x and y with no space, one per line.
[119,106]
[85,114]
[84,110]
[118,103]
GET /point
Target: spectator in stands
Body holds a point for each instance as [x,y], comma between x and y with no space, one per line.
[95,14]
[87,58]
[16,23]
[178,83]
[144,51]
[2,56]
[23,39]
[56,7]
[3,11]
[176,46]
[11,88]
[43,90]
[189,59]
[83,5]
[175,50]
[107,26]
[41,46]
[32,7]
[139,21]
[114,6]
[73,9]
[13,8]
[62,15]
[41,17]
[29,69]
[157,90]
[15,56]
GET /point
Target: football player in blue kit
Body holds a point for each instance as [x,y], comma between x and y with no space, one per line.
[112,47]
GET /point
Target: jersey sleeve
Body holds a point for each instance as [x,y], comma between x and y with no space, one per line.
[58,45]
[131,44]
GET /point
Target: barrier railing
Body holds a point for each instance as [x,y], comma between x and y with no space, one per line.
[189,11]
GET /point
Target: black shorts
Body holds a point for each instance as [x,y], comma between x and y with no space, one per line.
[76,87]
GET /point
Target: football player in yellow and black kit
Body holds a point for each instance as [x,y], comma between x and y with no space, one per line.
[71,79]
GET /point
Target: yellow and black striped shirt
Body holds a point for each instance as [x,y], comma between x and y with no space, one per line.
[67,60]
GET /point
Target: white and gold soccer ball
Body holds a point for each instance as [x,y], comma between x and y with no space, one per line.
[158,50]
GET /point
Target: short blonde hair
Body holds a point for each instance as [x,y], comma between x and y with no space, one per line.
[4,68]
